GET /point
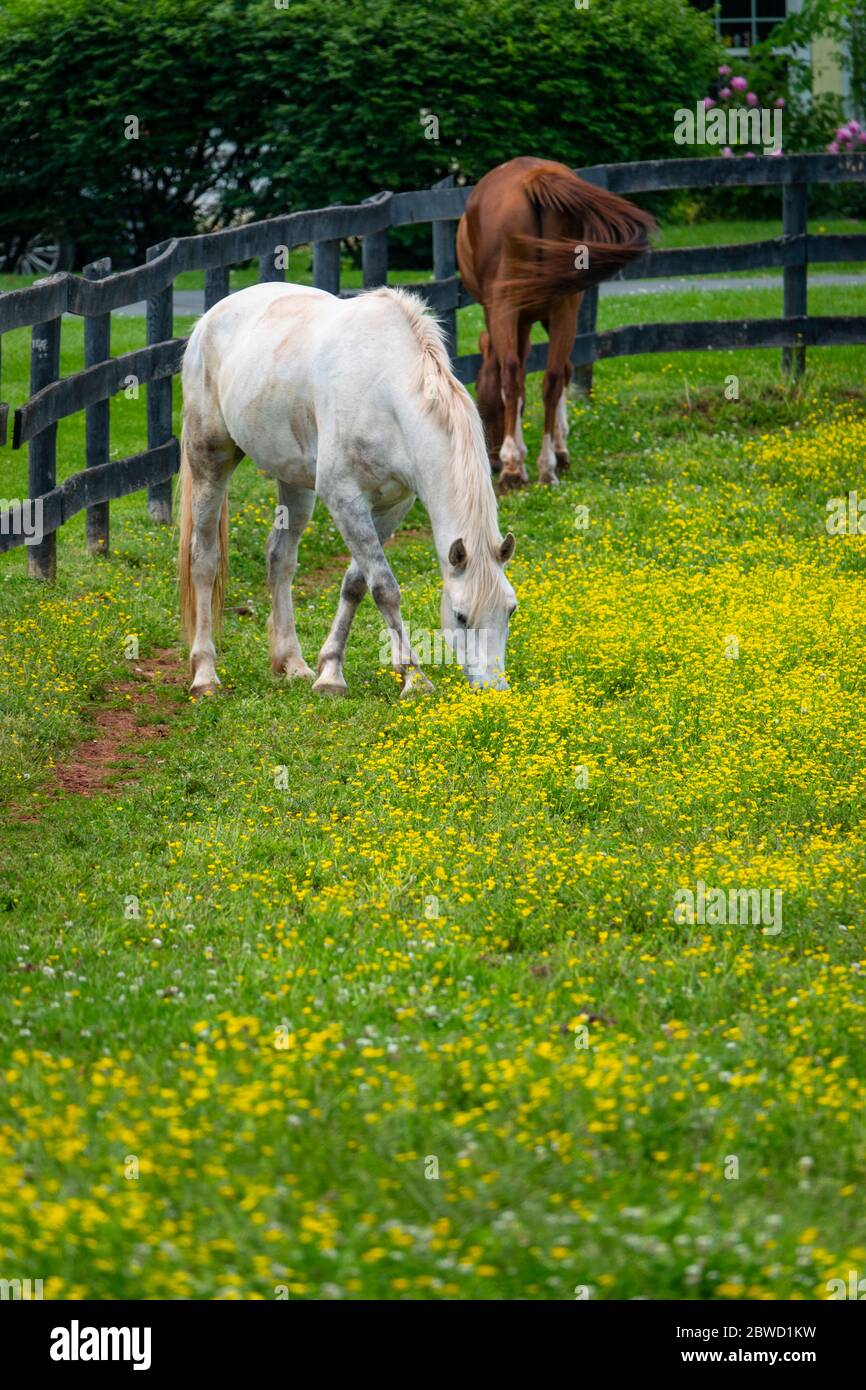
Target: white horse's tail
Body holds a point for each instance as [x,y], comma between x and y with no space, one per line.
[187,589]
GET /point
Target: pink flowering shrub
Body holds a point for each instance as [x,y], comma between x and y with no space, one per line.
[847,138]
[734,94]
[812,121]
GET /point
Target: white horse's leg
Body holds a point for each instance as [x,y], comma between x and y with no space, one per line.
[330,680]
[358,529]
[209,457]
[205,561]
[330,663]
[296,505]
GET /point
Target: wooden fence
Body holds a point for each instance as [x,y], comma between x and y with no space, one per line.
[95,294]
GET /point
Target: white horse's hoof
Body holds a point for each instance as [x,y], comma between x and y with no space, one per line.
[205,680]
[330,685]
[296,669]
[416,683]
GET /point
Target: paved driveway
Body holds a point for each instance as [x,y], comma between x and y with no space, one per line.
[192,301]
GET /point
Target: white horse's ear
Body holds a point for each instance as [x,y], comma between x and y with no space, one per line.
[506,550]
[457,555]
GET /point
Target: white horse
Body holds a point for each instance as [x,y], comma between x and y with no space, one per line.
[353,400]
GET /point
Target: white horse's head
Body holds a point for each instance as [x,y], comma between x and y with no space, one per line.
[477,603]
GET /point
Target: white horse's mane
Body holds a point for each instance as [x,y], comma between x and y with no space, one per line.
[450,402]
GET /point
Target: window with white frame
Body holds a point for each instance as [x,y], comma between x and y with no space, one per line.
[741,23]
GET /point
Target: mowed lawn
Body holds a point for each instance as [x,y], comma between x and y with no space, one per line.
[383,999]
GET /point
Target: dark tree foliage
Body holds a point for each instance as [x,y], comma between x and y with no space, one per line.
[71,74]
[252,107]
[502,77]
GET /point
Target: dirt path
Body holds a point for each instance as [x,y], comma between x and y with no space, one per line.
[133,714]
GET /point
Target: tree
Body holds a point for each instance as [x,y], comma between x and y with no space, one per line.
[397,93]
[122,124]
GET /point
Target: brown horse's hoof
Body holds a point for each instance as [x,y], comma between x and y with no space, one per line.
[495,463]
[511,478]
[562,462]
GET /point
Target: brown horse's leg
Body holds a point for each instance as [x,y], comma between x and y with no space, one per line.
[504,339]
[562,329]
[524,328]
[488,393]
[560,428]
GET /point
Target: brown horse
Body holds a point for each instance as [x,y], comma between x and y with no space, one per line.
[533,237]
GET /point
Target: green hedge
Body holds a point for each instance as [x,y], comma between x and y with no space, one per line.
[264,109]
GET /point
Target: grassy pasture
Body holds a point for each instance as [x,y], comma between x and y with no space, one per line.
[414,1019]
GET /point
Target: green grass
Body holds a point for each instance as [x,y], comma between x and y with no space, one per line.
[732,231]
[337,986]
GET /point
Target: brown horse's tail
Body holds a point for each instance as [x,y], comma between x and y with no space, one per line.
[608,232]
[187,589]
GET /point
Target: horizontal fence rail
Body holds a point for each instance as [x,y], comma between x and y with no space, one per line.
[699,335]
[103,483]
[98,292]
[73,393]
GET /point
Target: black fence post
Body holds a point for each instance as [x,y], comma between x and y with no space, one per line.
[444,266]
[160,328]
[4,409]
[272,267]
[374,255]
[586,323]
[216,285]
[326,266]
[42,450]
[795,223]
[97,348]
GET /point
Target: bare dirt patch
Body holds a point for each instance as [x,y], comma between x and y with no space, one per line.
[133,714]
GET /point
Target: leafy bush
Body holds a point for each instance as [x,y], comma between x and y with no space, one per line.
[812,122]
[760,83]
[813,119]
[856,50]
[72,73]
[253,107]
[502,78]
